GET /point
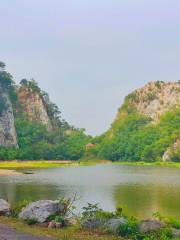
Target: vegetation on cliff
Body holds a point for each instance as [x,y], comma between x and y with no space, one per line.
[146,128]
[138,132]
[41,132]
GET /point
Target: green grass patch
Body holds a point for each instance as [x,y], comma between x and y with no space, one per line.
[162,164]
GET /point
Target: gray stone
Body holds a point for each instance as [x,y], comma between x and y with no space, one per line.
[93,223]
[176,233]
[41,210]
[7,129]
[4,208]
[114,223]
[150,225]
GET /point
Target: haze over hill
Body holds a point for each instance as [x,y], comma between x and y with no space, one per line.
[88,55]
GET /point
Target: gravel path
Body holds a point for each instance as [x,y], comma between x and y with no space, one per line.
[9,233]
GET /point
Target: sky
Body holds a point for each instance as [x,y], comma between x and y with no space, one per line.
[89,54]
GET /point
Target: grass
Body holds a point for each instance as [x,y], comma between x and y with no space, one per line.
[82,162]
[69,233]
[35,164]
[47,164]
[162,164]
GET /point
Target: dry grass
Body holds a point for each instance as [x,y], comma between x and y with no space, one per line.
[69,233]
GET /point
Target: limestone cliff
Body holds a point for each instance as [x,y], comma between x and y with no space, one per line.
[147,125]
[33,106]
[7,129]
[152,100]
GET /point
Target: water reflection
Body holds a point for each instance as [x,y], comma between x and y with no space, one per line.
[141,191]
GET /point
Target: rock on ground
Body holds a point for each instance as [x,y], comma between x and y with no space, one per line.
[114,223]
[9,233]
[4,208]
[176,233]
[41,210]
[150,225]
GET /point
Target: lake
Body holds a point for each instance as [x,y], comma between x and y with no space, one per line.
[139,190]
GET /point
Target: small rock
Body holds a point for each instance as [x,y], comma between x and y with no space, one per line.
[175,233]
[4,208]
[52,224]
[41,210]
[150,225]
[114,223]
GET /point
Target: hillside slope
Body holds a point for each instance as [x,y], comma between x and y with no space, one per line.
[31,126]
[147,124]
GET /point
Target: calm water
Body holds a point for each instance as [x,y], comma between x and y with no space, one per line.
[140,190]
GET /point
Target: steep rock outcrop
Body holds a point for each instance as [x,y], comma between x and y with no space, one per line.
[154,99]
[41,210]
[7,128]
[34,106]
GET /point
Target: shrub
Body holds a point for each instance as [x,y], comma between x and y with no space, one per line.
[128,229]
[15,210]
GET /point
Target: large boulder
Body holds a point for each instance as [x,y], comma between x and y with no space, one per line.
[4,208]
[114,223]
[150,225]
[41,210]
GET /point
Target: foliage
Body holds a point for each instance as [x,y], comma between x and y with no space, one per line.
[90,210]
[134,138]
[34,141]
[31,221]
[175,155]
[162,234]
[15,209]
[129,228]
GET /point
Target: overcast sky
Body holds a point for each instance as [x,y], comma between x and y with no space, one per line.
[89,54]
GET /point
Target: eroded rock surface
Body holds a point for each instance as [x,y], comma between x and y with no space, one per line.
[4,208]
[150,225]
[41,210]
[7,129]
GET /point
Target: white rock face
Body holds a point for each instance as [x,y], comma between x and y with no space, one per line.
[34,106]
[7,129]
[40,210]
[4,208]
[155,99]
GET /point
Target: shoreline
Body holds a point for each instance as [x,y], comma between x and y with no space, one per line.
[8,172]
[10,168]
[150,164]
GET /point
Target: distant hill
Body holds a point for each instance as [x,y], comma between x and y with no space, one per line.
[147,126]
[31,126]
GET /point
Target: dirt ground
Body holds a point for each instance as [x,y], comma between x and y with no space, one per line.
[9,233]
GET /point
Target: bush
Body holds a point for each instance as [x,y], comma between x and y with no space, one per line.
[128,229]
[16,209]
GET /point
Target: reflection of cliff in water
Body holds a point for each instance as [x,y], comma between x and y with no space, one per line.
[141,200]
[28,191]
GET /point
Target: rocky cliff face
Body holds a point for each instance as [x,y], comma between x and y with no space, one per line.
[34,106]
[153,99]
[7,128]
